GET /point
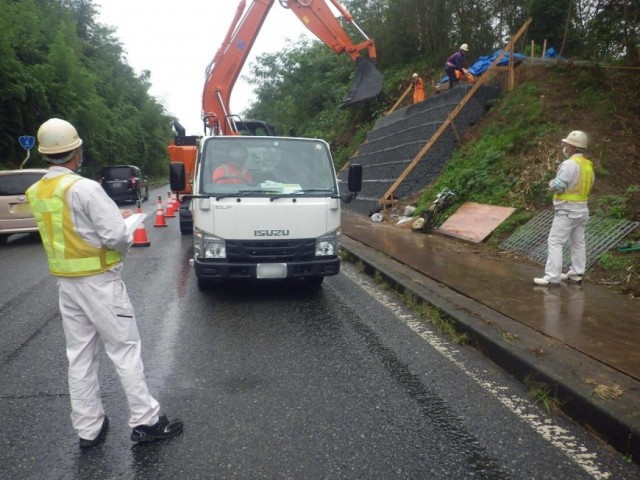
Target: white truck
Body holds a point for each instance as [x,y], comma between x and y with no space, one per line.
[265,208]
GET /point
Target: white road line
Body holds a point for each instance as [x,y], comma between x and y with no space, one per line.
[521,407]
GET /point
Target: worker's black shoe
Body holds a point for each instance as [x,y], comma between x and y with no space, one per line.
[164,428]
[84,443]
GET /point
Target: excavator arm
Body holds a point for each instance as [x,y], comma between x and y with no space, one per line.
[319,19]
[223,71]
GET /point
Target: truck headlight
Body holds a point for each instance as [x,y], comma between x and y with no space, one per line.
[206,245]
[327,245]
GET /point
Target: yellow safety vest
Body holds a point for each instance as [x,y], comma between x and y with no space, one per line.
[68,254]
[580,191]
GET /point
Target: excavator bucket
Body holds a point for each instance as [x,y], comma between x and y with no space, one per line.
[367,83]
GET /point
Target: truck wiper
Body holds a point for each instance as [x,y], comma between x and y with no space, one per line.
[243,193]
[314,190]
[302,192]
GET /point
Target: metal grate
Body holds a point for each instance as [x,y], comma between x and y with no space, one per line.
[601,234]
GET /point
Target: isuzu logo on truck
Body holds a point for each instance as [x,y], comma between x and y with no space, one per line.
[271,233]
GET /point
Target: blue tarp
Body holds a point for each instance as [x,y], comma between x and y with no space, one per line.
[483,63]
[551,53]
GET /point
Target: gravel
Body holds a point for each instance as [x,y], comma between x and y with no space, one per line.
[397,138]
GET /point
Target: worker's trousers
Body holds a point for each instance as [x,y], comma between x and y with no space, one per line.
[453,79]
[99,306]
[565,228]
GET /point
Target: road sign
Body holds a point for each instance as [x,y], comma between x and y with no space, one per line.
[27,142]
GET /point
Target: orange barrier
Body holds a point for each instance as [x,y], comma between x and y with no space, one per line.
[160,221]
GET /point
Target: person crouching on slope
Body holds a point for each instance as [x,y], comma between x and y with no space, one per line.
[453,63]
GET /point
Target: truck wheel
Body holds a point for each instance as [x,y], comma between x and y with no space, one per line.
[208,284]
[186,229]
[204,285]
[313,282]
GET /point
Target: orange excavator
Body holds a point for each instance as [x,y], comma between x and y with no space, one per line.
[224,69]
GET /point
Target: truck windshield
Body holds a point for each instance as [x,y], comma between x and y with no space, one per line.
[238,165]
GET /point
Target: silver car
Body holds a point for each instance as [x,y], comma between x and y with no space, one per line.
[15,213]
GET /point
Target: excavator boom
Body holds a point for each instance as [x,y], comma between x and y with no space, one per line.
[319,19]
[316,15]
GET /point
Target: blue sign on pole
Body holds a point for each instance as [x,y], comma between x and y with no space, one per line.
[27,142]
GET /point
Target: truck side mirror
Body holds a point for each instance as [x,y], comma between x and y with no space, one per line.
[355,178]
[354,183]
[177,177]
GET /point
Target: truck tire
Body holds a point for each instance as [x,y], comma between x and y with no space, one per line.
[313,282]
[204,285]
[186,228]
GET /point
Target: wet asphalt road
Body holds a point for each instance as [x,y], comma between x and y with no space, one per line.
[273,381]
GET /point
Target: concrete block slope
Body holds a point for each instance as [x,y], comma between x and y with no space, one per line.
[397,138]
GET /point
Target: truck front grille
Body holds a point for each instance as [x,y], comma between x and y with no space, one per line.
[239,251]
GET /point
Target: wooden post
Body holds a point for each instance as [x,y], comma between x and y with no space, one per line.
[512,80]
[406,92]
[544,48]
[533,50]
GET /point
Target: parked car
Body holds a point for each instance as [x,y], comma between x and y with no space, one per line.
[124,183]
[15,212]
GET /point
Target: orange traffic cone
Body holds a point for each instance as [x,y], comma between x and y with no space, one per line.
[176,202]
[160,221]
[170,211]
[140,238]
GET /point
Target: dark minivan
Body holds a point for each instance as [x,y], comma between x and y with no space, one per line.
[124,183]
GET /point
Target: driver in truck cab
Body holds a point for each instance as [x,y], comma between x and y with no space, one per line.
[233,170]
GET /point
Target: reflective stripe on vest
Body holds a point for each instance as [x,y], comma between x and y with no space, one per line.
[68,254]
[580,191]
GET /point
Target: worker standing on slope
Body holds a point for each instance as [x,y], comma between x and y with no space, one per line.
[418,89]
[453,63]
[571,188]
[85,238]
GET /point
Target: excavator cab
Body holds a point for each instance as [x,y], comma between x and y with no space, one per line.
[367,83]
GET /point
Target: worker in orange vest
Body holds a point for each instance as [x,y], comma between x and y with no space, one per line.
[233,171]
[418,89]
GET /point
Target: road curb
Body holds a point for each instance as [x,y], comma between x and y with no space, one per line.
[525,353]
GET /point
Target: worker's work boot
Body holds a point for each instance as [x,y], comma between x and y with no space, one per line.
[571,278]
[84,443]
[164,428]
[544,281]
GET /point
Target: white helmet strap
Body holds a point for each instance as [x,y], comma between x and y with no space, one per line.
[60,161]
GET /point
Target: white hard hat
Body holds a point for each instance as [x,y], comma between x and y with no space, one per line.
[464,47]
[57,136]
[415,75]
[577,139]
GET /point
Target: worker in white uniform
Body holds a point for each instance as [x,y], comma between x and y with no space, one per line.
[571,188]
[85,237]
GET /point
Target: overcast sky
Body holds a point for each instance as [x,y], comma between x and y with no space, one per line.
[176,41]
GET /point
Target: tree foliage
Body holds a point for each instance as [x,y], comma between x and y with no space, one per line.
[58,61]
[300,88]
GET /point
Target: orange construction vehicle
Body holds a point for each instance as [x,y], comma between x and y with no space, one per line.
[223,71]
